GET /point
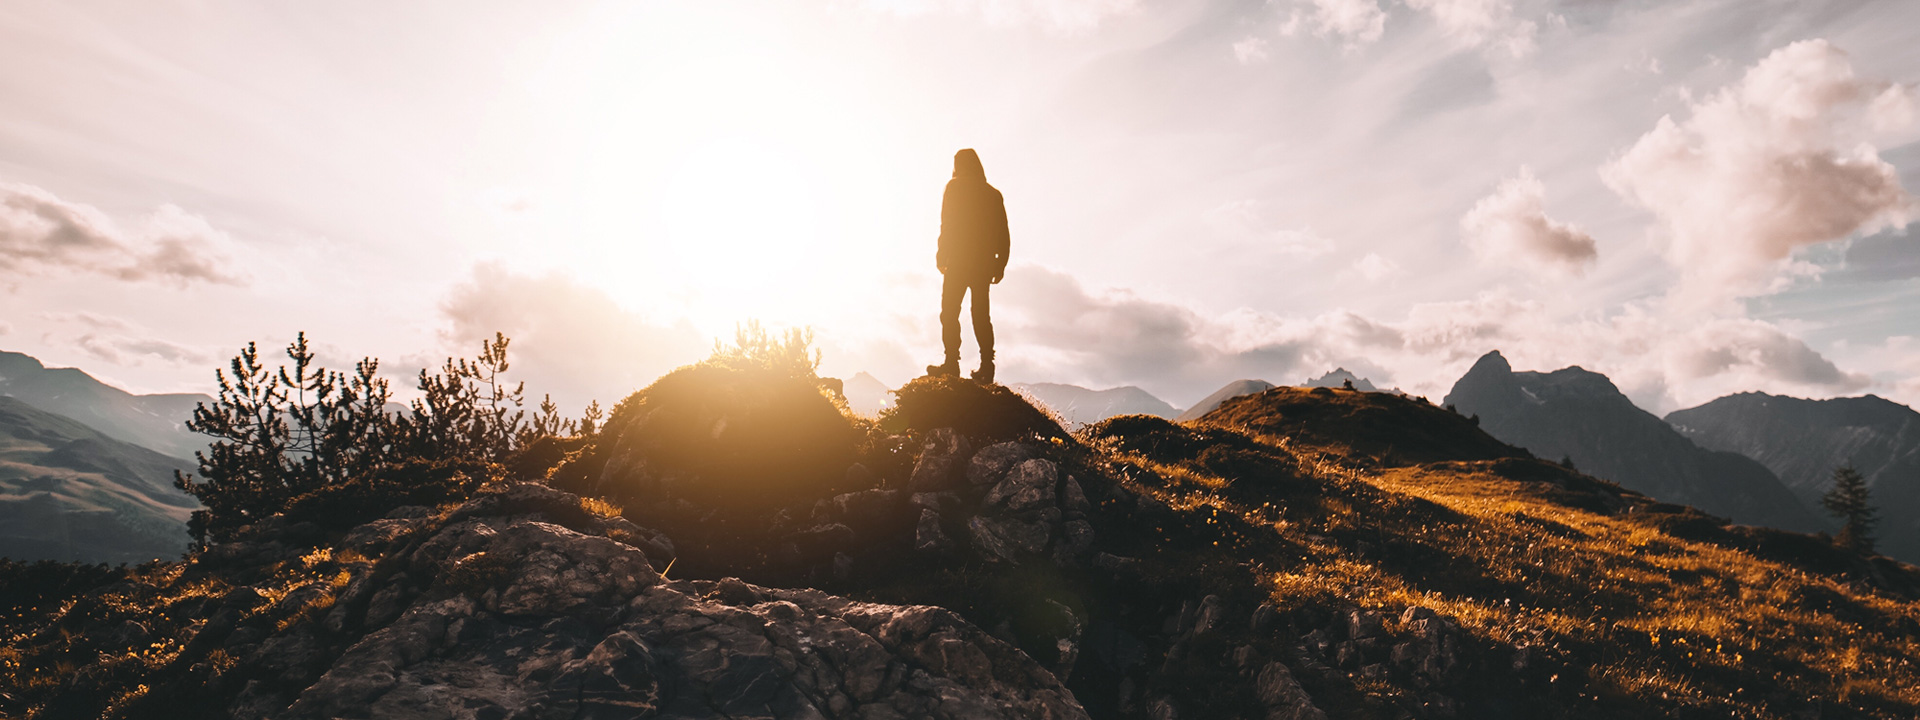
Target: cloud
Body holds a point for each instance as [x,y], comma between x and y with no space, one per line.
[1481,23]
[1373,268]
[1356,22]
[1757,352]
[39,231]
[1246,228]
[1052,328]
[92,320]
[1779,161]
[129,351]
[1511,227]
[569,340]
[1250,50]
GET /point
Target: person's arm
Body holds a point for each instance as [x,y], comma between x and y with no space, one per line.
[1002,239]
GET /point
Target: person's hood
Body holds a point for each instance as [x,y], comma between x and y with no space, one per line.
[966,166]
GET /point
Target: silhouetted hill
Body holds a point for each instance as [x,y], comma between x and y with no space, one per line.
[1358,425]
[1079,406]
[1298,553]
[1802,441]
[1230,390]
[1577,414]
[68,492]
[157,422]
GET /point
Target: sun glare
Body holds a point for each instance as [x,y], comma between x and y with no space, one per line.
[722,181]
[743,226]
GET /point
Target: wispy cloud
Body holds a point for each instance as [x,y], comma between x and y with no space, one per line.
[1356,23]
[39,231]
[1250,50]
[1511,227]
[1482,23]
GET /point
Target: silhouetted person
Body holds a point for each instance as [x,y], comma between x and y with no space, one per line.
[972,256]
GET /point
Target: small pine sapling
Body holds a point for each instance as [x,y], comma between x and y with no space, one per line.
[1850,501]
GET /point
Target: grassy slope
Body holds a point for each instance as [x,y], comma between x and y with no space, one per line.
[1348,499]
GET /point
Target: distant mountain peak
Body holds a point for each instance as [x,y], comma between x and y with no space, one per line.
[157,422]
[1581,415]
[1339,378]
[1491,363]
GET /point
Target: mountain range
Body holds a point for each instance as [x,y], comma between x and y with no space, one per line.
[157,422]
[1337,378]
[71,493]
[1579,415]
[1802,441]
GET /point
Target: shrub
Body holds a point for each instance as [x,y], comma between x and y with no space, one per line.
[989,412]
[371,495]
[748,429]
[293,431]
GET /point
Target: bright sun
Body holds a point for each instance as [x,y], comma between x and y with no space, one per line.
[720,182]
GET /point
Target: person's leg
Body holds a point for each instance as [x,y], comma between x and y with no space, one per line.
[952,289]
[983,328]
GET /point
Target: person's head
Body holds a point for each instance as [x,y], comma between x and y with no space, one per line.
[966,165]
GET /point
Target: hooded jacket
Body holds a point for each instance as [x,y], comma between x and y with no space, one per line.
[973,223]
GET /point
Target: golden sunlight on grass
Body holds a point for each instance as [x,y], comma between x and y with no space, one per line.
[1523,562]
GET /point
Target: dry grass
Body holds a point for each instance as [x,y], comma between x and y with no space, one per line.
[1653,620]
[600,507]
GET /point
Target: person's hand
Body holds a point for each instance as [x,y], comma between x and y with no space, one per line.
[997,276]
[943,269]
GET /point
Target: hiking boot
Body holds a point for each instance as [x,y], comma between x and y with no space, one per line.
[950,369]
[984,375]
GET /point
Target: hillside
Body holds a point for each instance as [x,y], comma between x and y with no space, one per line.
[1575,414]
[68,492]
[1078,406]
[156,422]
[1230,390]
[1295,554]
[1802,441]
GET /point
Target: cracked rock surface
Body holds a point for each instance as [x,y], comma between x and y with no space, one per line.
[524,618]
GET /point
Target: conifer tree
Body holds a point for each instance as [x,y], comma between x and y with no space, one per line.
[1850,501]
[279,434]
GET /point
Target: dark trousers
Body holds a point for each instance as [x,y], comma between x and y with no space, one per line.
[951,292]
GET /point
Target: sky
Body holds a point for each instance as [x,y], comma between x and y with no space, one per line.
[1695,197]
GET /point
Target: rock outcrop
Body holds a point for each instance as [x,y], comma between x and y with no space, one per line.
[497,612]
